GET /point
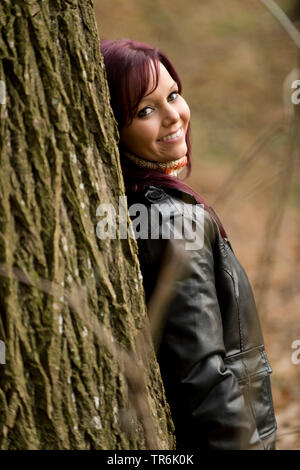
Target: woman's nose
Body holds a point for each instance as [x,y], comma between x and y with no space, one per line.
[171,115]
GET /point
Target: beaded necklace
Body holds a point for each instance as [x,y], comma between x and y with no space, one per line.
[172,168]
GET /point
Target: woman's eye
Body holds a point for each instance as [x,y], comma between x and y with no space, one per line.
[172,96]
[144,112]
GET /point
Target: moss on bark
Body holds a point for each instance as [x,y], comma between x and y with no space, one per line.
[72,306]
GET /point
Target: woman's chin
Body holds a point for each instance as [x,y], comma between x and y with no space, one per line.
[175,154]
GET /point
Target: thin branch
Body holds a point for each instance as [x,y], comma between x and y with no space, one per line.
[284,20]
[132,369]
[173,267]
[247,158]
[282,434]
[275,218]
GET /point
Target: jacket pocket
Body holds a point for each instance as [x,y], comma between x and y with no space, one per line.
[252,370]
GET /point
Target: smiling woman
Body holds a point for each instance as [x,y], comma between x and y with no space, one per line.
[212,356]
[158,129]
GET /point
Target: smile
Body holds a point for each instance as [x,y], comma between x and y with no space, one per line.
[173,136]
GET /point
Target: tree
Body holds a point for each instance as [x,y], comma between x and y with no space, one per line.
[72,307]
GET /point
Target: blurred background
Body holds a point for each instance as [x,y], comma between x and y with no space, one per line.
[236,64]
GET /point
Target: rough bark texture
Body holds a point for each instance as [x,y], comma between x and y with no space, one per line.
[71,304]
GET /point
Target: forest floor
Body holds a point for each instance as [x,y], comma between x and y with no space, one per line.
[235,64]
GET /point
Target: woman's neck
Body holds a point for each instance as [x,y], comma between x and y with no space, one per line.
[171,168]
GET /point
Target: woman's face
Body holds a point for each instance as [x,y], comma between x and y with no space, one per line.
[157,132]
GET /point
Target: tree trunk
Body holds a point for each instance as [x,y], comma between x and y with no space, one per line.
[80,371]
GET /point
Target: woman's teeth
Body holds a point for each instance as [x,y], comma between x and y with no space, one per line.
[172,136]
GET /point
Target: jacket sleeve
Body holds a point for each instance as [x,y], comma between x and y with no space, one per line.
[207,404]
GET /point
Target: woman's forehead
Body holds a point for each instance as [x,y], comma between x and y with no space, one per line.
[158,76]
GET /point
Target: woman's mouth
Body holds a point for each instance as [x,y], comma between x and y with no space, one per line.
[172,137]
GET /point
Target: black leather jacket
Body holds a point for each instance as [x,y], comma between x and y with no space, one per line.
[212,356]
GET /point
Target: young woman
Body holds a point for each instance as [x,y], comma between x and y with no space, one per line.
[212,356]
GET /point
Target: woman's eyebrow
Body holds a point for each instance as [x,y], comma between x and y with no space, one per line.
[146,98]
[173,84]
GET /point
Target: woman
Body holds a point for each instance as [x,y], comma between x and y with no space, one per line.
[212,357]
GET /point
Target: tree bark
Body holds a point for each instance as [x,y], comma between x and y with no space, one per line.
[80,371]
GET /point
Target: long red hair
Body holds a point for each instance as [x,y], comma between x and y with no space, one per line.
[127,64]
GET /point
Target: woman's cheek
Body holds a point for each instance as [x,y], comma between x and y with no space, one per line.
[187,112]
[150,130]
[184,110]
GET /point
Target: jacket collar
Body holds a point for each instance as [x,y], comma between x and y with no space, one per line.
[183,195]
